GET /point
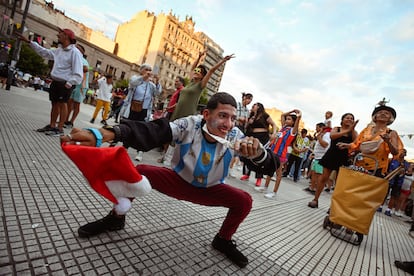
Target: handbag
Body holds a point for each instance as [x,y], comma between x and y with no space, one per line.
[136,105]
[370,146]
[356,197]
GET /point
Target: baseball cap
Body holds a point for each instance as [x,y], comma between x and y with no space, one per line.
[69,33]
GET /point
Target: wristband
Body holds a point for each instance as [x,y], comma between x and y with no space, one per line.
[97,134]
[116,130]
[262,159]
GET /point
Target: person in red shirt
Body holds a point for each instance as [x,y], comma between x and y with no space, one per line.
[179,85]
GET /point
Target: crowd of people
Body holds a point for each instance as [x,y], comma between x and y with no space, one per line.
[205,148]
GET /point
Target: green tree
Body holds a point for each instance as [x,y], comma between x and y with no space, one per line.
[30,62]
[121,83]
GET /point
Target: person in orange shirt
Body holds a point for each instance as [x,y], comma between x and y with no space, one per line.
[377,140]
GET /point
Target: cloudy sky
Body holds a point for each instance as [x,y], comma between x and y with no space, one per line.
[318,55]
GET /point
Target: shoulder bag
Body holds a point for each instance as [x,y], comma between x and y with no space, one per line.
[136,105]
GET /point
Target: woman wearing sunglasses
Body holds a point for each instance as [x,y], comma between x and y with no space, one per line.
[190,95]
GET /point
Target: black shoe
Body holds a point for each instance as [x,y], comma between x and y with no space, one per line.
[104,123]
[309,190]
[313,204]
[405,266]
[92,121]
[45,128]
[229,249]
[111,222]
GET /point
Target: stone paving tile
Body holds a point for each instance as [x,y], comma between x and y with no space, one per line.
[45,199]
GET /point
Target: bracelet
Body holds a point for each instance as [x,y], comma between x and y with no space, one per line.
[263,158]
[97,134]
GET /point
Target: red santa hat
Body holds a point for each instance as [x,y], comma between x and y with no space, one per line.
[110,172]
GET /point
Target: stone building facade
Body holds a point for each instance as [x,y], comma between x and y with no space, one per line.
[42,25]
[169,45]
[163,41]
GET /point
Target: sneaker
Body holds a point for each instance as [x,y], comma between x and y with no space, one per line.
[260,189]
[258,182]
[244,177]
[104,122]
[111,222]
[269,195]
[58,133]
[92,121]
[387,212]
[398,214]
[379,209]
[45,128]
[229,249]
[231,173]
[55,132]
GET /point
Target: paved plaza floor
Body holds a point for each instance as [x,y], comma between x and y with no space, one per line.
[44,199]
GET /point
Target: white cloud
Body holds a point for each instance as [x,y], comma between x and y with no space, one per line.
[337,55]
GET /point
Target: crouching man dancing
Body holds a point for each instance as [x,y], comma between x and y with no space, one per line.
[205,145]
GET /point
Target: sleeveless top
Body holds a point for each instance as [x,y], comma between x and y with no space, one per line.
[188,101]
[335,157]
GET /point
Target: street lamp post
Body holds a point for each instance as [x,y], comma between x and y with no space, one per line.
[17,45]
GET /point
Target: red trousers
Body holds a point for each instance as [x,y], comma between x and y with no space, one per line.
[170,183]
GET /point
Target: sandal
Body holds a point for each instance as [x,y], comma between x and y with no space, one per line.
[313,204]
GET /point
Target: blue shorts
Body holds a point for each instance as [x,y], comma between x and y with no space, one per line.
[76,94]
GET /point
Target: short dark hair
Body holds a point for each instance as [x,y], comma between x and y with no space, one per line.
[108,76]
[293,116]
[203,68]
[247,95]
[221,97]
[321,125]
[181,79]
